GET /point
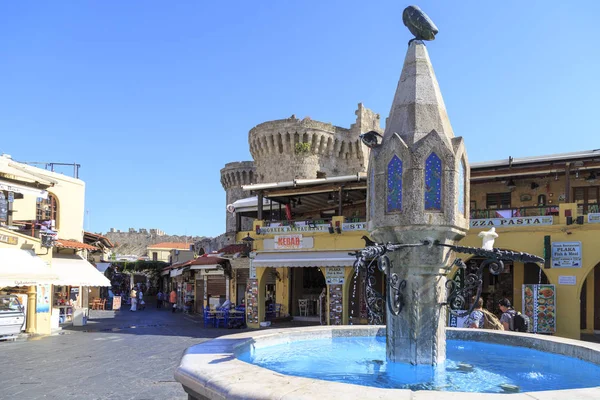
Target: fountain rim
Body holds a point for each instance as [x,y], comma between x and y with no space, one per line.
[211,370]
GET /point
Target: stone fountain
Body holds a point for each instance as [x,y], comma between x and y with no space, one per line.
[418,207]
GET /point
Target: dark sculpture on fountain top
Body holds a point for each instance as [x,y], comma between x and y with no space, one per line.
[419,24]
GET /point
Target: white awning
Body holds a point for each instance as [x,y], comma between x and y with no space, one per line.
[250,204]
[102,267]
[25,190]
[23,268]
[304,259]
[199,267]
[176,272]
[73,270]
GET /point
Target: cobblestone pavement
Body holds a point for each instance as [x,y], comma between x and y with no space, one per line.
[117,355]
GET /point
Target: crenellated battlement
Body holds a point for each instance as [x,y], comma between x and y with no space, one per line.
[303,147]
[236,174]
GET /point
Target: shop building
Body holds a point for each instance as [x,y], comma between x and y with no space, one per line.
[40,209]
[545,205]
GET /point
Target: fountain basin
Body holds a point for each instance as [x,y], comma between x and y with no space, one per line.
[212,370]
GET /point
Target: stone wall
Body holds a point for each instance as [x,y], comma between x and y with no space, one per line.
[136,243]
[233,176]
[329,149]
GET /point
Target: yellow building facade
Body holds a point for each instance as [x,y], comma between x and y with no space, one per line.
[547,206]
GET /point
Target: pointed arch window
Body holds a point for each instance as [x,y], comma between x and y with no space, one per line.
[433,183]
[461,187]
[394,185]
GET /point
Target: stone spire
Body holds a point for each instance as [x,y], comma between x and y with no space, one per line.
[418,106]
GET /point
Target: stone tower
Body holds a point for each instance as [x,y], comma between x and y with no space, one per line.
[418,191]
[292,148]
[233,176]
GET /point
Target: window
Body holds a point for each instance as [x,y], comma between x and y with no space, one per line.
[154,256]
[394,184]
[586,199]
[433,183]
[498,201]
[47,209]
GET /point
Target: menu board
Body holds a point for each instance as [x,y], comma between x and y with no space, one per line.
[539,304]
[116,303]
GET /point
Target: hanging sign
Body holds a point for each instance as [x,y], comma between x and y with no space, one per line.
[566,254]
[252,270]
[459,282]
[288,242]
[334,275]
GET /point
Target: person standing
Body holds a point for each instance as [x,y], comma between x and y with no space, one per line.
[133,299]
[173,300]
[159,299]
[475,319]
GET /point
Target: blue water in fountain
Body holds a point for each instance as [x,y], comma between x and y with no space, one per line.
[361,361]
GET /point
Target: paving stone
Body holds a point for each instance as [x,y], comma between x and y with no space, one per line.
[118,355]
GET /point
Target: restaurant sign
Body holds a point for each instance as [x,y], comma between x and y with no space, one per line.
[594,218]
[266,230]
[566,254]
[511,222]
[287,242]
[334,275]
[354,226]
[9,239]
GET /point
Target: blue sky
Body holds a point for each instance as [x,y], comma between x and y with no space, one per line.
[152,98]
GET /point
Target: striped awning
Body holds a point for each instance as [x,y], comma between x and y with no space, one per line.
[304,259]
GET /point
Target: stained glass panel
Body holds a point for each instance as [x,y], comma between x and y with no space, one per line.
[461,187]
[433,182]
[394,185]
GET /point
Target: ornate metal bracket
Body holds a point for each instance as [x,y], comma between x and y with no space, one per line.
[456,297]
[395,298]
[474,275]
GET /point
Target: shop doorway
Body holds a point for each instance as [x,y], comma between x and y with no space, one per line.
[306,285]
[594,274]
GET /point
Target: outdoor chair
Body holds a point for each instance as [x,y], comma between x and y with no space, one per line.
[208,317]
[222,318]
[102,304]
[303,306]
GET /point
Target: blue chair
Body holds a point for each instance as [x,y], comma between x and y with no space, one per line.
[208,317]
[222,318]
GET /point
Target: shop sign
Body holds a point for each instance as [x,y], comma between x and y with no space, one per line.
[9,239]
[205,272]
[252,270]
[594,218]
[566,254]
[295,228]
[511,222]
[42,304]
[116,304]
[567,280]
[354,226]
[288,242]
[334,275]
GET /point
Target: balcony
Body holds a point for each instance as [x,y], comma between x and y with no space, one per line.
[548,210]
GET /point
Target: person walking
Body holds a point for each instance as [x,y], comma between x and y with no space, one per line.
[133,299]
[511,319]
[173,300]
[159,299]
[475,319]
[141,302]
